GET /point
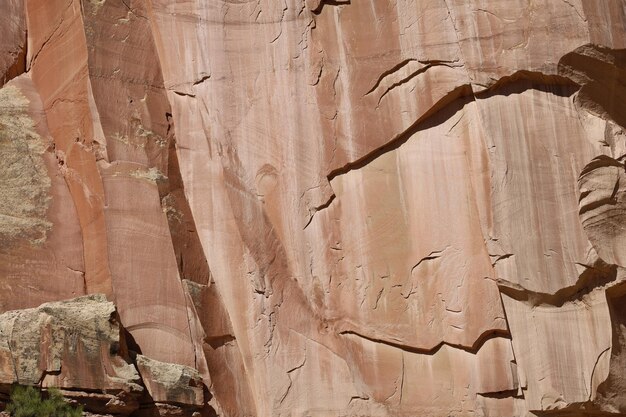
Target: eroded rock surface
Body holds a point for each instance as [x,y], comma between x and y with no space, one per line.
[79,346]
[171,383]
[382,208]
[74,345]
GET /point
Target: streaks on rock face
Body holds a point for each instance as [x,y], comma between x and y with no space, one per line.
[431,149]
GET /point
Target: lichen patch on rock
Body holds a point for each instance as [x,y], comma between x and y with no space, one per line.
[24,182]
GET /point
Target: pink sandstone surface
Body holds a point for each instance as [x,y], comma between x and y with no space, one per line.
[320,208]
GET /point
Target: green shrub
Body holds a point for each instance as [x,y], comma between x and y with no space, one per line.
[27,402]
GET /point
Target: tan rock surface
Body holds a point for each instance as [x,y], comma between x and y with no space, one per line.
[386,208]
[74,345]
[170,383]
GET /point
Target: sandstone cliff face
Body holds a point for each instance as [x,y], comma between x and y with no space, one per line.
[325,208]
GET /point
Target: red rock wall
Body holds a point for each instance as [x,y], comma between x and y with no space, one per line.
[384,207]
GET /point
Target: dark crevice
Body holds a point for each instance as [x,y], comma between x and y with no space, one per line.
[218,341]
[319,208]
[601,161]
[129,346]
[610,201]
[439,113]
[521,81]
[201,80]
[180,93]
[323,3]
[192,262]
[480,341]
[178,214]
[45,373]
[389,72]
[427,64]
[436,254]
[499,258]
[91,390]
[513,393]
[595,276]
[576,410]
[19,64]
[408,78]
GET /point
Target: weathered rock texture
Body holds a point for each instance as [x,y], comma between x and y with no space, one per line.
[79,346]
[328,208]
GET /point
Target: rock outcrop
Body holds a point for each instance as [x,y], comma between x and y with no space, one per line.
[324,208]
[171,387]
[79,346]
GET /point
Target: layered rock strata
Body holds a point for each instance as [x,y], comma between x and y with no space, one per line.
[327,208]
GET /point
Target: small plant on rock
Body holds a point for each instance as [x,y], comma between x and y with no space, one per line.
[27,402]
